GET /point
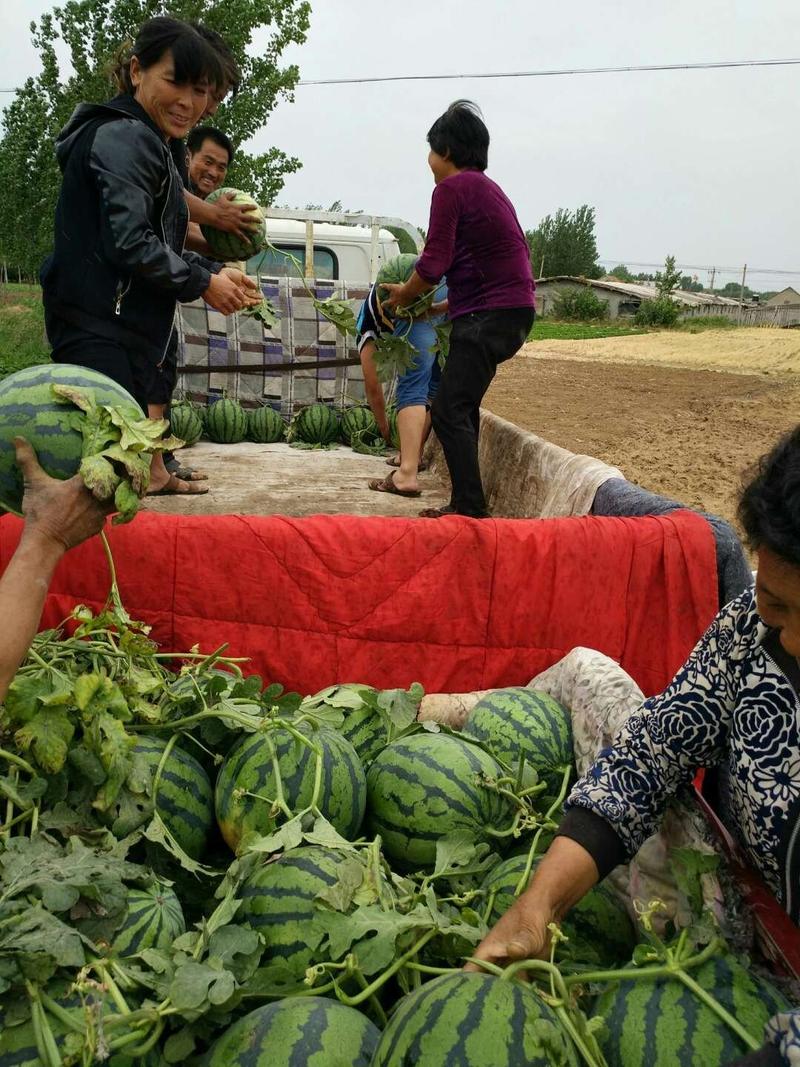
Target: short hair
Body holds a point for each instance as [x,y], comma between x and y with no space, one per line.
[461,136]
[200,134]
[194,57]
[231,72]
[769,508]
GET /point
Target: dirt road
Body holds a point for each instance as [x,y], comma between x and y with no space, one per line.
[659,407]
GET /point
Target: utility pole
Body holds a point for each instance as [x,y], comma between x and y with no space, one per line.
[713,276]
[541,267]
[741,292]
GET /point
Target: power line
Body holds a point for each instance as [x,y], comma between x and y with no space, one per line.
[555,73]
[695,266]
[725,64]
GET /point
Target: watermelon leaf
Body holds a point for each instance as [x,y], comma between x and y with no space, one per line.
[458,854]
[338,312]
[393,356]
[265,313]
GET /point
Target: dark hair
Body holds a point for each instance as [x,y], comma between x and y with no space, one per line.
[769,509]
[460,135]
[194,57]
[201,134]
[231,79]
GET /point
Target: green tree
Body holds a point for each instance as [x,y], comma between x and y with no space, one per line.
[733,291]
[668,280]
[622,272]
[90,32]
[566,244]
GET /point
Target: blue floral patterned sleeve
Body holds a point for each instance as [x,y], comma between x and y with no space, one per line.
[663,744]
[783,1032]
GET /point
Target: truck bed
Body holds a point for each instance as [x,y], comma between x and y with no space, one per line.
[251,479]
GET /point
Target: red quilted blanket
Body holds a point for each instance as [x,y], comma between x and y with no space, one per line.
[456,604]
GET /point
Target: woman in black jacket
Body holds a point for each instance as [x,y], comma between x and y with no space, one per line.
[119,266]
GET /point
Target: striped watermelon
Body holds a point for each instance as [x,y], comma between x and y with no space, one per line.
[473,1020]
[359,420]
[394,433]
[426,785]
[153,920]
[599,928]
[248,769]
[661,1023]
[363,726]
[28,408]
[525,721]
[186,423]
[297,1032]
[265,425]
[226,422]
[316,424]
[278,901]
[228,247]
[185,796]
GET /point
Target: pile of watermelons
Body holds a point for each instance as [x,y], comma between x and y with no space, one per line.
[315,426]
[197,868]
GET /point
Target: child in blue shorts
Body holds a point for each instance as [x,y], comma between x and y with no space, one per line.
[415,390]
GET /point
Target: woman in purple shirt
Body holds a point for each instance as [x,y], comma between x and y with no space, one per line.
[475,239]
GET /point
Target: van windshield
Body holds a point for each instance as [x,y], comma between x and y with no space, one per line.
[274,263]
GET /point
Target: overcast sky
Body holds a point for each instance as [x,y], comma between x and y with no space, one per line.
[702,164]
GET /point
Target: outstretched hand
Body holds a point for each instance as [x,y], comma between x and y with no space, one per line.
[521,934]
[62,512]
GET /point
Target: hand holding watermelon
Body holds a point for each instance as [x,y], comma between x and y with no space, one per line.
[236,216]
[63,513]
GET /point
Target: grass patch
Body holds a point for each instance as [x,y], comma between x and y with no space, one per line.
[705,322]
[545,330]
[22,341]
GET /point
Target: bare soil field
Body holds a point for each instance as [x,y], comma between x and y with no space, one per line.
[682,415]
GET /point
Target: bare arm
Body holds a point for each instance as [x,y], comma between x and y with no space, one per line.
[401,296]
[374,389]
[58,516]
[195,241]
[565,875]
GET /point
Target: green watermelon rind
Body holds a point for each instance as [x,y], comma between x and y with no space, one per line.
[426,785]
[358,419]
[29,409]
[245,784]
[228,247]
[466,1018]
[312,1031]
[153,920]
[265,425]
[186,423]
[226,422]
[316,424]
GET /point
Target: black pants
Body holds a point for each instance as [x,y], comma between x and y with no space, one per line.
[134,370]
[478,343]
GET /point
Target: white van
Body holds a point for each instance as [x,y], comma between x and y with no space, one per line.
[327,248]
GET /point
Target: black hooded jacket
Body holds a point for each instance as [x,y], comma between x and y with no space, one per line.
[119,266]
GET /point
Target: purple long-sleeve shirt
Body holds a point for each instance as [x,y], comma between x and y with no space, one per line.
[474,238]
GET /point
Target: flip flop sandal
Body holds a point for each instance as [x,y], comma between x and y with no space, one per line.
[394,461]
[386,485]
[186,474]
[171,489]
[437,513]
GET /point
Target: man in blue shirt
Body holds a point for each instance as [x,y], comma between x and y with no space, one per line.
[415,389]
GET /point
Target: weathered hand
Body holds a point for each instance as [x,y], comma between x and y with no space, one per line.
[235,218]
[393,301]
[521,934]
[249,287]
[64,513]
[224,294]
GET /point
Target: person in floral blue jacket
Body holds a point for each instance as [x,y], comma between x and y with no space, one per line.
[735,707]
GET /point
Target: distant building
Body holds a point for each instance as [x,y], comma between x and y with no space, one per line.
[785,296]
[623,298]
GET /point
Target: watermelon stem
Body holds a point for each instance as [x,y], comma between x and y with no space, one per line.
[45,1041]
[522,884]
[377,983]
[717,1008]
[17,761]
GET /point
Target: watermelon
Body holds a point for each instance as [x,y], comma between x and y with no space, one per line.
[278,901]
[153,920]
[426,785]
[185,796]
[306,1031]
[394,433]
[228,247]
[186,423]
[265,425]
[29,409]
[248,769]
[524,721]
[363,726]
[359,420]
[226,422]
[316,424]
[661,1023]
[599,928]
[473,1020]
